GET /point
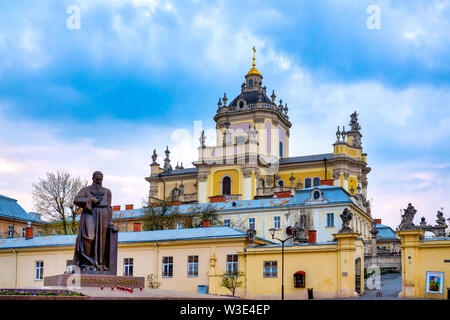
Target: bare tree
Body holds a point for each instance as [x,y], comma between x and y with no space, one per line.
[53,197]
[160,215]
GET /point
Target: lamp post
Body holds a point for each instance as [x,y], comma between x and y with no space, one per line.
[272,232]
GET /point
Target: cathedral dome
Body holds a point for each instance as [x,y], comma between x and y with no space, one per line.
[250,97]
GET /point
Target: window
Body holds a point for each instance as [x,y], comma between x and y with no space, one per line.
[330,219]
[24,232]
[227,223]
[316,182]
[180,225]
[281,183]
[240,140]
[226,185]
[251,223]
[307,183]
[167,267]
[39,270]
[192,266]
[232,263]
[250,82]
[270,269]
[281,149]
[10,231]
[128,267]
[277,222]
[316,195]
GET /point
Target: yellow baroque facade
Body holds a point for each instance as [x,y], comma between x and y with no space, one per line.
[250,159]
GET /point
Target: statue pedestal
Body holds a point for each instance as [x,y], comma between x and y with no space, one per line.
[78,280]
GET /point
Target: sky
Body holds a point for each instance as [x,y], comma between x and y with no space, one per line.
[97,85]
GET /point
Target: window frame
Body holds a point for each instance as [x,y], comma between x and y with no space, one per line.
[232,261]
[272,266]
[11,231]
[330,214]
[227,223]
[128,263]
[314,182]
[275,222]
[167,267]
[39,270]
[192,266]
[222,185]
[310,183]
[254,223]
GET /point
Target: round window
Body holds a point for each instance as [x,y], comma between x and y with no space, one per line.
[316,195]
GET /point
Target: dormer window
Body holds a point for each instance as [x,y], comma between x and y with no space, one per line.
[316,196]
[241,104]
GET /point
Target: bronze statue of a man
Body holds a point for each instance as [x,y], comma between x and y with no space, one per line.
[92,247]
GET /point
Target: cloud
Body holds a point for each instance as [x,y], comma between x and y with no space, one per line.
[319,57]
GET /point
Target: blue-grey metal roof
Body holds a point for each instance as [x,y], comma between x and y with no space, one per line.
[131,237]
[9,208]
[314,157]
[334,195]
[179,171]
[385,232]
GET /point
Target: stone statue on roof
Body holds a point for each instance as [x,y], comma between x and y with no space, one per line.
[407,218]
[346,217]
[354,125]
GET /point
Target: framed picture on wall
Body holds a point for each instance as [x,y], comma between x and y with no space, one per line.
[435,282]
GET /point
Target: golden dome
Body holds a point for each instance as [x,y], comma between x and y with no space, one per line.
[253,70]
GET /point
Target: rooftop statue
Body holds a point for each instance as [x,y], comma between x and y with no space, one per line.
[407,218]
[354,125]
[346,217]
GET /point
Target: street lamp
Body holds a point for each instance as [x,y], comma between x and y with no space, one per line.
[272,232]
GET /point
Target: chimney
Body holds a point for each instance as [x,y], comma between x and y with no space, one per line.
[116,208]
[377,221]
[129,207]
[312,236]
[29,231]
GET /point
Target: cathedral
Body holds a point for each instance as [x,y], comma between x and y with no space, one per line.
[250,159]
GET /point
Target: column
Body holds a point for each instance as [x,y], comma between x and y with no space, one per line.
[410,250]
[346,264]
[247,193]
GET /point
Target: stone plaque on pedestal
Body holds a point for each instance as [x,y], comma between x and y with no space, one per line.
[93,280]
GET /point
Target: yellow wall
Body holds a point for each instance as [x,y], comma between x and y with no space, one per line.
[236,183]
[147,259]
[321,263]
[418,257]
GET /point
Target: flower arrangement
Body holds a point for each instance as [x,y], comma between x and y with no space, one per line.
[38,292]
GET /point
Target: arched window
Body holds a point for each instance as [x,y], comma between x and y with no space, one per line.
[316,182]
[250,82]
[307,183]
[281,183]
[281,149]
[226,185]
